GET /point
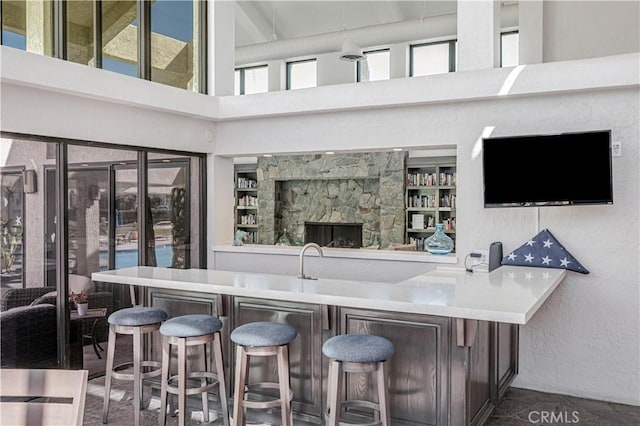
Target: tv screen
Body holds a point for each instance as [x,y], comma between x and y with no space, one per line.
[547,170]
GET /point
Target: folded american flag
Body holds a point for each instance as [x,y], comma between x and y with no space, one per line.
[544,251]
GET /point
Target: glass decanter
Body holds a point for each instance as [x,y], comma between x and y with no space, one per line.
[439,242]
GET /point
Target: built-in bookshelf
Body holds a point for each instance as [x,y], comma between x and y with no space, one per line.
[430,198]
[246,202]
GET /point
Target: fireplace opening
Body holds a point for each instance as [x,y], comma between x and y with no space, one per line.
[327,234]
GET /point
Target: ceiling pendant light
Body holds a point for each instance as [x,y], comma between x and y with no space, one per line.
[351,52]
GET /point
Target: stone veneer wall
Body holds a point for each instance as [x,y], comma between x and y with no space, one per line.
[365,188]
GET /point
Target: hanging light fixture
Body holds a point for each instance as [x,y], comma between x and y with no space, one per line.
[351,52]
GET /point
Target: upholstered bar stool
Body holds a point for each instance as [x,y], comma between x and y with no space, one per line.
[134,321]
[262,339]
[357,353]
[184,331]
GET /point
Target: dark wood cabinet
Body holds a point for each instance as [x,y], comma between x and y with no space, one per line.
[178,302]
[419,369]
[434,379]
[305,352]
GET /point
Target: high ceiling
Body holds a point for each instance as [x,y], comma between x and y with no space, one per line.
[263,21]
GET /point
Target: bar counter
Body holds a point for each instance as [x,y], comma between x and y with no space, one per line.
[510,294]
[455,332]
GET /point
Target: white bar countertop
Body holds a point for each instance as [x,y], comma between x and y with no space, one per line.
[509,294]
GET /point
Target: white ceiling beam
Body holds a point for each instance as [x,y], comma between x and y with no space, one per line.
[388,11]
[254,12]
[248,27]
[431,28]
[441,26]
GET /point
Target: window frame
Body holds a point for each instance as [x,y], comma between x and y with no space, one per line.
[59,19]
[288,70]
[241,70]
[19,170]
[359,66]
[452,53]
[61,176]
[504,33]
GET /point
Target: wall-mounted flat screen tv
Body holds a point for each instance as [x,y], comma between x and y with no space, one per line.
[548,170]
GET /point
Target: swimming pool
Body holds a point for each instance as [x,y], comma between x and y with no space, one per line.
[127,258]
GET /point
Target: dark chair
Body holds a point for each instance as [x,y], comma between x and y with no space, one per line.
[16,297]
[28,338]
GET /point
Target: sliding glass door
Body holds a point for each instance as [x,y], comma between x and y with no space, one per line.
[71,208]
[11,226]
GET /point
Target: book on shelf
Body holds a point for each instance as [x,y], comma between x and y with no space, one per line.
[417,221]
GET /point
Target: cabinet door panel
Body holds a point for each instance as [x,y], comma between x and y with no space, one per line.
[507,365]
[177,303]
[418,379]
[480,371]
[304,352]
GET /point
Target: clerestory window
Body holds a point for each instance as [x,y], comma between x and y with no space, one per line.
[302,74]
[433,58]
[162,41]
[509,49]
[376,66]
[250,80]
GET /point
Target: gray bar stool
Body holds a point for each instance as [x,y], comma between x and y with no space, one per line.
[357,353]
[184,331]
[262,339]
[134,321]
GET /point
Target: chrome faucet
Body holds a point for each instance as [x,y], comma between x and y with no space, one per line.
[301,274]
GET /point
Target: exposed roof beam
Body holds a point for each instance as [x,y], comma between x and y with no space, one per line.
[117,16]
[388,11]
[256,14]
[397,32]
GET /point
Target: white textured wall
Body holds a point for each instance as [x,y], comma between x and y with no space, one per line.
[588,29]
[584,340]
[332,70]
[46,96]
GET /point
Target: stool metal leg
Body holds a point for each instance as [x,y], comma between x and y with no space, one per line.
[241,378]
[283,378]
[111,349]
[166,361]
[182,381]
[383,397]
[205,397]
[222,388]
[137,380]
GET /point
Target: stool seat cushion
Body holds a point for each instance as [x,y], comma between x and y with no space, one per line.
[136,316]
[259,334]
[190,326]
[358,348]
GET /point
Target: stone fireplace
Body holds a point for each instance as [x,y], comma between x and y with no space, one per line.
[359,188]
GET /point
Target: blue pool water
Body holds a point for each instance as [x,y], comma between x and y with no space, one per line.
[127,258]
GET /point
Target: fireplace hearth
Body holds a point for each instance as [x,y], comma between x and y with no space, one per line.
[327,234]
